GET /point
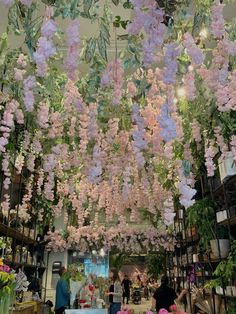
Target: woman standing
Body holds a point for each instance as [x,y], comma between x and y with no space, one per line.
[115,306]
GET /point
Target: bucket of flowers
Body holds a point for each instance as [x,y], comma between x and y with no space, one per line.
[7,288]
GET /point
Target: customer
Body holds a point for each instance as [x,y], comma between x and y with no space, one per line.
[62,293]
[164,296]
[115,306]
[126,283]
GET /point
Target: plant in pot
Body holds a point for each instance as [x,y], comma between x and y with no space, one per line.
[224,273]
[203,215]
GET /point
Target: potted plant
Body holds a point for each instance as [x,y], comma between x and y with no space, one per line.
[224,272]
[227,166]
[202,215]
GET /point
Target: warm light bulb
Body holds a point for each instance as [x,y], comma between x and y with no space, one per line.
[94,252]
[190,68]
[181,92]
[102,253]
[203,33]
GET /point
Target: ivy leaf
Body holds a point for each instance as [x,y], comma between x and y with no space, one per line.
[102,47]
[116,2]
[90,49]
[87,4]
[74,12]
[105,33]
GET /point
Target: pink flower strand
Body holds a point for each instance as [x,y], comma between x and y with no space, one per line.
[73,41]
[113,76]
[218,23]
[209,155]
[194,52]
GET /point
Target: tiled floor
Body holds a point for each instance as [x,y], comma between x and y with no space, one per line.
[140,308]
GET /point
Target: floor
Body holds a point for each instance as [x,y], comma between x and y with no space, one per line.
[140,308]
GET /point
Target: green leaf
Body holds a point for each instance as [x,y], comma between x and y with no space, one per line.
[102,47]
[90,49]
[116,2]
[87,4]
[3,48]
[104,31]
[74,12]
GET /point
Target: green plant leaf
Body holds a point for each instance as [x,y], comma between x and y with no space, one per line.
[116,2]
[102,47]
[87,4]
[90,49]
[104,31]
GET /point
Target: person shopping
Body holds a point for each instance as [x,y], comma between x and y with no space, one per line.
[115,306]
[164,297]
[126,283]
[62,293]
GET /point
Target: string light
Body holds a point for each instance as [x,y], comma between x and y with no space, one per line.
[102,253]
[190,68]
[203,33]
[175,100]
[181,92]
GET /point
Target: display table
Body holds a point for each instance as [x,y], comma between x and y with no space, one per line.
[87,311]
[24,309]
[28,307]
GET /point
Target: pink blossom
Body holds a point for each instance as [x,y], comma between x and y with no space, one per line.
[217,24]
[19,116]
[189,86]
[19,74]
[49,28]
[194,52]
[131,88]
[113,75]
[43,115]
[73,41]
[29,83]
[22,60]
[209,155]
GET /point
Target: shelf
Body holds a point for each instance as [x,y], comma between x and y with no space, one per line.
[226,296]
[13,264]
[228,181]
[231,221]
[14,233]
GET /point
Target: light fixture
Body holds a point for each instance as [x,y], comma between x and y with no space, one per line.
[190,68]
[175,100]
[203,33]
[102,253]
[94,252]
[181,92]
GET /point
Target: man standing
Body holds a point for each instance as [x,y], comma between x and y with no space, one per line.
[126,283]
[164,296]
[62,293]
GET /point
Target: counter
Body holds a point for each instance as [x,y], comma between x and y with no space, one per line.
[87,311]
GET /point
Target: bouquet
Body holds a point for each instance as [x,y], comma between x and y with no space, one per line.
[7,286]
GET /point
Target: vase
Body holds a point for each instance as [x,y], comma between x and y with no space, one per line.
[227,167]
[5,304]
[221,249]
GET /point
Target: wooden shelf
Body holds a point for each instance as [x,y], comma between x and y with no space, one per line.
[25,265]
[228,181]
[14,233]
[231,221]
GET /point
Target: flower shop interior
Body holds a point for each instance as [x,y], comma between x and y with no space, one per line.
[118,156]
